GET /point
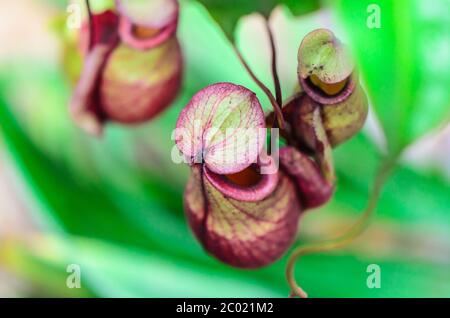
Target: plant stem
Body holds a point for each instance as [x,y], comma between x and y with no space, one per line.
[264,88]
[357,229]
[91,25]
[324,153]
[276,79]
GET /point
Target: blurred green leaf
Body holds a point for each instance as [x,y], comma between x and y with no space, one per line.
[48,278]
[409,197]
[405,63]
[227,13]
[97,5]
[117,271]
[67,205]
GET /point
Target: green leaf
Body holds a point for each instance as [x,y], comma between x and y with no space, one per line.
[404,62]
[47,278]
[227,13]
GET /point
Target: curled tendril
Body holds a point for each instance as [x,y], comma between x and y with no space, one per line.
[350,235]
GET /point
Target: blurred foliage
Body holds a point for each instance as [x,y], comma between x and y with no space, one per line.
[114,205]
[405,63]
[227,13]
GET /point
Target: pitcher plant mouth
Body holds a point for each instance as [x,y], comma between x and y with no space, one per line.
[145,31]
[331,89]
[246,227]
[328,93]
[248,185]
[246,178]
[144,38]
[133,65]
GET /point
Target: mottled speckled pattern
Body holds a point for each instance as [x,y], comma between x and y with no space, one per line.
[322,54]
